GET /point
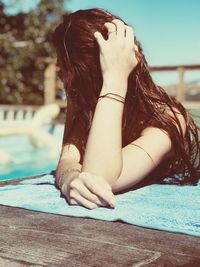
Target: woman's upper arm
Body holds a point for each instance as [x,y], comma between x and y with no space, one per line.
[142,156]
[147,152]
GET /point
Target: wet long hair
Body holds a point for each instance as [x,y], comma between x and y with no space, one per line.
[145,103]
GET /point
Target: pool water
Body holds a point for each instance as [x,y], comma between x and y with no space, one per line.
[28,160]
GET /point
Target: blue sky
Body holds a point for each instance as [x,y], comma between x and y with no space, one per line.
[169,30]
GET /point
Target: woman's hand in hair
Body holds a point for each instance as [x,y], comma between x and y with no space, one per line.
[88,190]
[117,53]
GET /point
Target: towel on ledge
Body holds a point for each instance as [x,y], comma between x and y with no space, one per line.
[164,207]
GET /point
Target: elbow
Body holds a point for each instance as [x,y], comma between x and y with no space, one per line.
[108,167]
[111,172]
[112,176]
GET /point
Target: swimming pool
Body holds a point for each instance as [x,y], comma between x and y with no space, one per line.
[28,160]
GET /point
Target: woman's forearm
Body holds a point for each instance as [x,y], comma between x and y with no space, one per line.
[69,160]
[102,162]
[103,154]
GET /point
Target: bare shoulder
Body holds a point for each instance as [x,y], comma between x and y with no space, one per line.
[160,136]
[179,116]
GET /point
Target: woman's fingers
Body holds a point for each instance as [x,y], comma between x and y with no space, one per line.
[88,190]
[76,198]
[120,27]
[65,191]
[116,28]
[99,38]
[130,36]
[77,193]
[73,202]
[98,186]
[117,53]
[77,185]
[112,31]
[73,196]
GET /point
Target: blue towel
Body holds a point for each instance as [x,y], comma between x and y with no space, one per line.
[164,207]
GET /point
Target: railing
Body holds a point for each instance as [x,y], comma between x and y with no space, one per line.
[23,113]
[182,87]
[17,113]
[51,83]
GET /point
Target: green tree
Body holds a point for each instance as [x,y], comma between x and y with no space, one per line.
[23,39]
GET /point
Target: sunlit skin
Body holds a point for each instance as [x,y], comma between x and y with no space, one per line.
[98,183]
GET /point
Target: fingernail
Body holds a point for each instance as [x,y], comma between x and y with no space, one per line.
[94,206]
[112,203]
[98,202]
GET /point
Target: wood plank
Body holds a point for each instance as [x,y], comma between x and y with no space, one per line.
[181,86]
[39,239]
[52,240]
[12,263]
[174,67]
[35,244]
[18,180]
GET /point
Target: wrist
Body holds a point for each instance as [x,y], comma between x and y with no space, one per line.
[65,176]
[116,86]
[115,77]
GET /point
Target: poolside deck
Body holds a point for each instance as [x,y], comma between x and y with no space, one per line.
[39,239]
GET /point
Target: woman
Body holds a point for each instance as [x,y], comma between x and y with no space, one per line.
[122,130]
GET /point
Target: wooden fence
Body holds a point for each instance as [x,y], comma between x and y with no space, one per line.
[182,87]
[17,112]
[51,83]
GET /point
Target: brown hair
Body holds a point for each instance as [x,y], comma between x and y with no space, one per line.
[145,105]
